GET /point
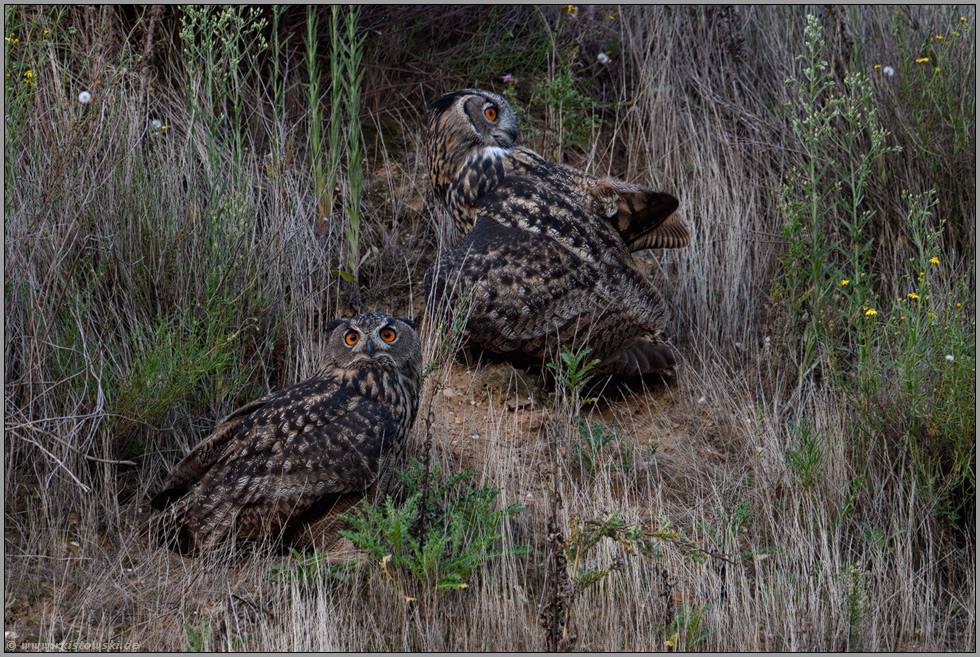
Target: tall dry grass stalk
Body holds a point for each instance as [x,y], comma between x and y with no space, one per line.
[156,278]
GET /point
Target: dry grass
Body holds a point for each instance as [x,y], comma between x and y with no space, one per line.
[156,279]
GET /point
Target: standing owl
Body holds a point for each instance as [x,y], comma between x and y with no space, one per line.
[544,250]
[295,458]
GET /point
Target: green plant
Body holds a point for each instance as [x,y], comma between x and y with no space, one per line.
[462,528]
[310,569]
[585,535]
[569,113]
[826,285]
[729,527]
[215,40]
[347,76]
[198,637]
[194,357]
[684,632]
[572,372]
[570,557]
[324,174]
[881,542]
[595,438]
[934,87]
[806,452]
[838,321]
[855,603]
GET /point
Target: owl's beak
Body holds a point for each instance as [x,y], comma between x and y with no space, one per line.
[370,348]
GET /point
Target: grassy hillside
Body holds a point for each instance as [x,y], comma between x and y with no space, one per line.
[191,194]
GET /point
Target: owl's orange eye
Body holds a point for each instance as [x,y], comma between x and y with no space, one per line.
[491,113]
[388,334]
[351,338]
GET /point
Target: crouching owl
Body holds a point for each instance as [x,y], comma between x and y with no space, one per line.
[288,463]
[543,257]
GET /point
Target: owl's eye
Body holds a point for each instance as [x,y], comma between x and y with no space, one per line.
[351,338]
[388,334]
[491,113]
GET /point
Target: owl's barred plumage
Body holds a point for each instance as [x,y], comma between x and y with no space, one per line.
[287,460]
[545,249]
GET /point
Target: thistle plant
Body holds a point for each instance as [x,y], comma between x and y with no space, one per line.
[464,528]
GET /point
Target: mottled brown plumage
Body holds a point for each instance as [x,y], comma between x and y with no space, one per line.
[469,157]
[291,460]
[543,249]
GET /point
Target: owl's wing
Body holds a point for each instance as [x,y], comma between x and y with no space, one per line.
[529,292]
[311,440]
[644,218]
[200,459]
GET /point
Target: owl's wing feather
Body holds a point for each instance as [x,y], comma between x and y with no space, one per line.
[672,233]
[197,462]
[532,293]
[644,218]
[293,448]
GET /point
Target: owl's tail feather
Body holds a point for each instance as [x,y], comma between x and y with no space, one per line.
[170,529]
[648,356]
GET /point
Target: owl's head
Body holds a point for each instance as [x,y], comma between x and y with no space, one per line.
[472,118]
[375,339]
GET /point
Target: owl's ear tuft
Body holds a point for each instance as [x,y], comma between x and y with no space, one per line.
[334,323]
[443,103]
[411,323]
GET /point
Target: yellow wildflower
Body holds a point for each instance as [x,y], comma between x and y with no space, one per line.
[844,281]
[939,37]
[934,260]
[871,312]
[958,305]
[877,66]
[913,295]
[931,314]
[921,60]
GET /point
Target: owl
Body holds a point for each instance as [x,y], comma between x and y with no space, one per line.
[293,459]
[543,256]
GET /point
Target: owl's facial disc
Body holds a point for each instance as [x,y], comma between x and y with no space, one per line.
[493,121]
[371,346]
